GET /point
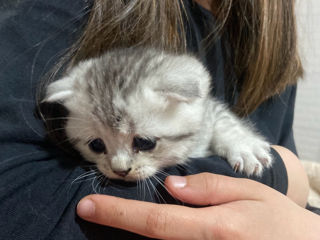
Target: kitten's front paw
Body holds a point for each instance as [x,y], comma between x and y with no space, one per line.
[250,156]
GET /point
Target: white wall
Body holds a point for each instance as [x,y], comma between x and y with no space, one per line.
[307,111]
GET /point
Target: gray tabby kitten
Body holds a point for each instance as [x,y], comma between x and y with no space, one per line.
[136,111]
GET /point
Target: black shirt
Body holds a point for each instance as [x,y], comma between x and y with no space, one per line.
[40,185]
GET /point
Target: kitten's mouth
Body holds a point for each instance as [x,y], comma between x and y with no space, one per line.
[131,174]
[122,173]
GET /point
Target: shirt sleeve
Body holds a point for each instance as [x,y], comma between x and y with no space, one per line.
[286,137]
[274,118]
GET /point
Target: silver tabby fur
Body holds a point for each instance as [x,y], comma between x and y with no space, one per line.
[154,95]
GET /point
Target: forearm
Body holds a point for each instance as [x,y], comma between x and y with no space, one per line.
[298,185]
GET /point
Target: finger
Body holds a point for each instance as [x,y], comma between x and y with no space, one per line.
[213,189]
[148,219]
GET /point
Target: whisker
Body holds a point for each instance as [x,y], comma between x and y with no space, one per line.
[141,189]
[99,184]
[158,194]
[184,166]
[66,118]
[63,128]
[163,173]
[19,156]
[161,182]
[147,185]
[94,187]
[54,56]
[105,181]
[82,181]
[84,175]
[28,123]
[14,99]
[34,60]
[138,189]
[92,184]
[144,188]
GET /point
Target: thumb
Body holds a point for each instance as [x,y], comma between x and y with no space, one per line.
[213,189]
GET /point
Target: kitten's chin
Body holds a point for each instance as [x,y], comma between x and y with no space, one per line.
[141,173]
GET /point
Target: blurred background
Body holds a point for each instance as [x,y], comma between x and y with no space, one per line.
[307,111]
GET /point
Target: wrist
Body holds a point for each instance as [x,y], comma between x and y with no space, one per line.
[313,226]
[298,185]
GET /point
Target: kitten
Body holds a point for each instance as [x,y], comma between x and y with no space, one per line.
[135,111]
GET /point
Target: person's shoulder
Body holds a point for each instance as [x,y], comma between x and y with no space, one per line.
[53,12]
[31,5]
[282,101]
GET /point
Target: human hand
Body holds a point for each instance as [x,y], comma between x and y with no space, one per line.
[238,209]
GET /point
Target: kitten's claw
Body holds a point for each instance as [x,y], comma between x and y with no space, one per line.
[251,158]
[256,170]
[236,167]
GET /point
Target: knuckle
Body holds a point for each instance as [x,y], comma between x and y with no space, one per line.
[157,221]
[210,184]
[215,232]
[232,224]
[222,230]
[209,233]
[213,228]
[117,213]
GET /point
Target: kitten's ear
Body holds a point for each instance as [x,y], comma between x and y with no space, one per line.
[185,80]
[60,90]
[181,90]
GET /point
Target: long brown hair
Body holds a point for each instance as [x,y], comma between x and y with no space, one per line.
[261,33]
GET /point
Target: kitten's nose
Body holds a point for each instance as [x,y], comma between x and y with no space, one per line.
[122,173]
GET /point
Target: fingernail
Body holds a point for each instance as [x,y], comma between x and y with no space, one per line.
[178,182]
[86,208]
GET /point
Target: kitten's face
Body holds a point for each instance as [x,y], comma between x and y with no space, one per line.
[135,119]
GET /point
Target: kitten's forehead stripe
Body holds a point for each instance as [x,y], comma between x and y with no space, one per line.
[119,73]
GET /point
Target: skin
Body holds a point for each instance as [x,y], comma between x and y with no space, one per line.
[232,206]
[298,185]
[205,3]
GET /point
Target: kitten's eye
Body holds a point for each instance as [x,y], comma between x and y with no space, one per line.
[97,146]
[143,144]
